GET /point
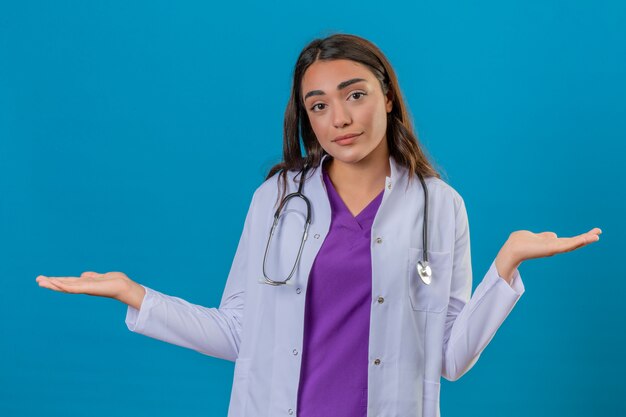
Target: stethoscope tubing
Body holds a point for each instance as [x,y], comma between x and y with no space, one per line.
[423,268]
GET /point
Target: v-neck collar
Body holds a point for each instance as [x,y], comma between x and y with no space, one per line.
[341,213]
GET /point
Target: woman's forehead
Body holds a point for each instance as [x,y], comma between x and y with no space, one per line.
[329,75]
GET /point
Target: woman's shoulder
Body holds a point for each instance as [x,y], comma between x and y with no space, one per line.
[440,189]
[268,189]
[440,185]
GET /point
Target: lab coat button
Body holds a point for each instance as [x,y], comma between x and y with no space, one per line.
[295,351]
[381,300]
[379,240]
[290,411]
[316,236]
[377,362]
[298,290]
[389,186]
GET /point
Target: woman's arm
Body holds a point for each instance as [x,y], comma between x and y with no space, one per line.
[212,331]
[472,322]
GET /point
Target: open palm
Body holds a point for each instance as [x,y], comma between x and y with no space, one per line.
[528,245]
[111,284]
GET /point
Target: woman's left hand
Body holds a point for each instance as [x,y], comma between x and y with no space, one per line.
[523,245]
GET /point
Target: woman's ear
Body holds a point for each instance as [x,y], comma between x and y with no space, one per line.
[389,101]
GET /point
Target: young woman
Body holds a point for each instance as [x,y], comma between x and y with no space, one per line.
[357,301]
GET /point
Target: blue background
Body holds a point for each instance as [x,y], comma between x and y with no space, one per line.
[133,134]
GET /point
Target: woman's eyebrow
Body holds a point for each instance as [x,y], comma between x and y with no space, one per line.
[341,86]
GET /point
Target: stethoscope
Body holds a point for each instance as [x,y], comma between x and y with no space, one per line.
[423,269]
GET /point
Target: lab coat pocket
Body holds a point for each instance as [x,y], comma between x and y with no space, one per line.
[431,399]
[239,394]
[431,297]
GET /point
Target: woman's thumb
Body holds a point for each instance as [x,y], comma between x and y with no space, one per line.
[90,274]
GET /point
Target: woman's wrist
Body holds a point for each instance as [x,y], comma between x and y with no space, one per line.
[133,295]
[506,263]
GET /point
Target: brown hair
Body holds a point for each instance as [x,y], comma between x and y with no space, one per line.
[401,139]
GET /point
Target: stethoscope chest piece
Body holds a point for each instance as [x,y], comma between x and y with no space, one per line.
[424,271]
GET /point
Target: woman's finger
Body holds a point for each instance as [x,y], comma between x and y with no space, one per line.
[596,231]
[67,284]
[65,280]
[46,283]
[567,244]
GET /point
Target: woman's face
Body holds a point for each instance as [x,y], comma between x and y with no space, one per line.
[343,97]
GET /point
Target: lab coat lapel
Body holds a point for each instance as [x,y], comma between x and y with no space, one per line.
[315,190]
[393,198]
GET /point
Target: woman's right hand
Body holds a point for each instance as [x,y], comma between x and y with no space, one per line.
[111,284]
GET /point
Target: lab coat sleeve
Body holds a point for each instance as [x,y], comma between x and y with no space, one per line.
[212,331]
[472,322]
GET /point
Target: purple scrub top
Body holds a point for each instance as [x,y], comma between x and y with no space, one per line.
[333,376]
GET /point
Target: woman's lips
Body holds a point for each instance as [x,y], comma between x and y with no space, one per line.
[347,141]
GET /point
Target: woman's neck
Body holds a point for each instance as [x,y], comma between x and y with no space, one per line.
[365,177]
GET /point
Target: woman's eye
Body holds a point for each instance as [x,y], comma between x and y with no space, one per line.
[314,108]
[357,93]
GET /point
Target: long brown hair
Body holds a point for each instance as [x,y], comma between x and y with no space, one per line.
[401,139]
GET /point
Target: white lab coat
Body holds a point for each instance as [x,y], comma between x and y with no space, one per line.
[418,333]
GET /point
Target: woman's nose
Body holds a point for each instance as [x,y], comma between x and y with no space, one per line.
[341,117]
